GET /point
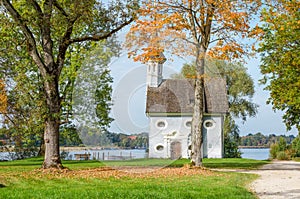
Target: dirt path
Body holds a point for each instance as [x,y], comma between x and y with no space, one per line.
[280,179]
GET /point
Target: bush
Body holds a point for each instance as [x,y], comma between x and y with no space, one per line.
[274,149]
[282,144]
[296,146]
[281,155]
[231,149]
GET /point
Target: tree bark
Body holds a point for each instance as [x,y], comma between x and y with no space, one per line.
[197,122]
[52,122]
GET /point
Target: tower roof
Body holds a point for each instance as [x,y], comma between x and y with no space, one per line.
[160,58]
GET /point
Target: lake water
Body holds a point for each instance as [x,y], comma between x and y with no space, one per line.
[114,154]
[257,154]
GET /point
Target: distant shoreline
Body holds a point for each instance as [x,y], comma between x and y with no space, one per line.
[86,148]
[63,148]
[253,147]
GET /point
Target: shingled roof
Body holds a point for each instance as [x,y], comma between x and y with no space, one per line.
[177,96]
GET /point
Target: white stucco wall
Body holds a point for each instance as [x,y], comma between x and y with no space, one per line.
[214,142]
[176,129]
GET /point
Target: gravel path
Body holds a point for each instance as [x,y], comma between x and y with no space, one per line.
[280,179]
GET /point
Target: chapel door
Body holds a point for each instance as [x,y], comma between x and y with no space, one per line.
[175,150]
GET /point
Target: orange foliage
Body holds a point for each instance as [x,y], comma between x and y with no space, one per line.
[3,98]
[180,27]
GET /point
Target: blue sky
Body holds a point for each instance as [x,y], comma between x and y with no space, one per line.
[129,97]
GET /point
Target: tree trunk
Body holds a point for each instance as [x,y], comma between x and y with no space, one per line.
[52,122]
[197,122]
[197,138]
[42,147]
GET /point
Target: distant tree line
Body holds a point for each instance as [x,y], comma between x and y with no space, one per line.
[71,137]
[132,141]
[260,140]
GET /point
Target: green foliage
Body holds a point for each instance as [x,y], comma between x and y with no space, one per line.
[231,138]
[274,149]
[92,94]
[296,146]
[283,151]
[282,144]
[69,136]
[281,155]
[103,99]
[127,141]
[280,51]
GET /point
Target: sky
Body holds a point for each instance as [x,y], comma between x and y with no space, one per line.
[129,98]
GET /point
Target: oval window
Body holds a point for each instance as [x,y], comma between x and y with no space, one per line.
[159,147]
[188,124]
[161,124]
[209,124]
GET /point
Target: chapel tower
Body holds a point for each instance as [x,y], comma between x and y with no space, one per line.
[154,70]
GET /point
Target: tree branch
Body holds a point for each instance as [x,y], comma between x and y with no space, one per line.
[62,11]
[32,48]
[100,37]
[64,44]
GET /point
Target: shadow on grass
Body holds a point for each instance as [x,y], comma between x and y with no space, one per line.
[25,162]
[235,163]
[2,186]
[67,162]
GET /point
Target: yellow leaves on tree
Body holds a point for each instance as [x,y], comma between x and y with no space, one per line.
[181,27]
[3,98]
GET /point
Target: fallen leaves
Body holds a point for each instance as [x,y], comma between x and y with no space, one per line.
[121,172]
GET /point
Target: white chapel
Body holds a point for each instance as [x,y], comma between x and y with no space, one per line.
[169,107]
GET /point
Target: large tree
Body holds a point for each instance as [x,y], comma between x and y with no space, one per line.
[193,28]
[280,60]
[51,29]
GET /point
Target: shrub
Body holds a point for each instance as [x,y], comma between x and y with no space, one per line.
[281,155]
[282,144]
[291,153]
[274,149]
[296,146]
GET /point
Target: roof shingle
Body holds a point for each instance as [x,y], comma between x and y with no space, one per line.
[177,96]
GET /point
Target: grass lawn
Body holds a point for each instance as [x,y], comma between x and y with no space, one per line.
[228,163]
[89,179]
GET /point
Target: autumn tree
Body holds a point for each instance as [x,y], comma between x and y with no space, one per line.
[195,29]
[51,29]
[280,61]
